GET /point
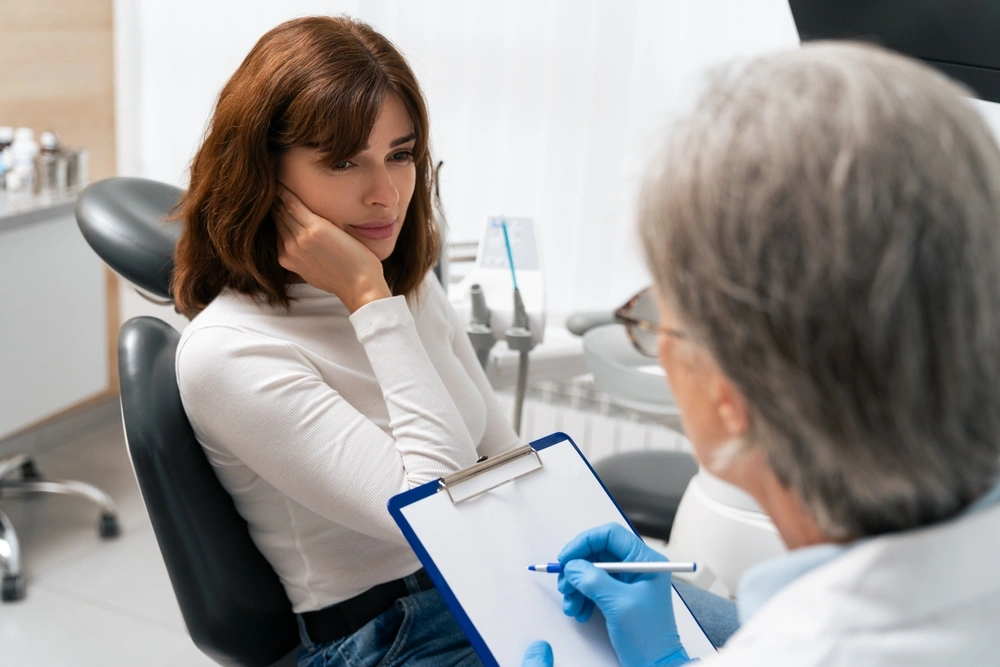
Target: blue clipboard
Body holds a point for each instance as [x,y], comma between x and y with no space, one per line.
[500,476]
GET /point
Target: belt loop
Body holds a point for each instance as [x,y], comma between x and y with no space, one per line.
[412,585]
[307,643]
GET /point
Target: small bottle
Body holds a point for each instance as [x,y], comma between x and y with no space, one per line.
[78,171]
[49,143]
[20,177]
[52,166]
[6,138]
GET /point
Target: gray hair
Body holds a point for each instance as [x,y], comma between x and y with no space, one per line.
[825,225]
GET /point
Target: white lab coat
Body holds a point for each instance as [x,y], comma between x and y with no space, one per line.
[923,597]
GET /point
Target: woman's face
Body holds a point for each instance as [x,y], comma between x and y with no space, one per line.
[368,195]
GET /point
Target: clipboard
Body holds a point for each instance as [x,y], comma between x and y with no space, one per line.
[476,530]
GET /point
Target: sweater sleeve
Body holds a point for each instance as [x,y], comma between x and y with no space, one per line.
[499,435]
[268,406]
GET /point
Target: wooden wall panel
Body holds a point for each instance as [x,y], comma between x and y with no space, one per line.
[57,72]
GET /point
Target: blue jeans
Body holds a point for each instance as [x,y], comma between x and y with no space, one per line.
[716,615]
[419,631]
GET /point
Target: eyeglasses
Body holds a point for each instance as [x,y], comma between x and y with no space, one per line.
[641,318]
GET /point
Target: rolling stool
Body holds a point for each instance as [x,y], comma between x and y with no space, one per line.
[32,482]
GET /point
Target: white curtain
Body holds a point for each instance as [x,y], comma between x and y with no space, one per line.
[541,108]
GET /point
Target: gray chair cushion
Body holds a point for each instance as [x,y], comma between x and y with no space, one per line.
[648,487]
[123,221]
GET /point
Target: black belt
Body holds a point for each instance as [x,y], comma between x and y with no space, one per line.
[344,618]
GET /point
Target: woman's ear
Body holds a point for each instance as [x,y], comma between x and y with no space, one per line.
[731,407]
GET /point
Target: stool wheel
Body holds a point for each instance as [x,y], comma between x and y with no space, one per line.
[29,473]
[109,526]
[13,588]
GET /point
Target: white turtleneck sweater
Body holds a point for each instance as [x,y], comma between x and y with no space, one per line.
[313,418]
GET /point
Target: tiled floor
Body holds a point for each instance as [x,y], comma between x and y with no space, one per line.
[91,601]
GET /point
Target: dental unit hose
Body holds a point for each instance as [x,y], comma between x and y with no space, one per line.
[519,339]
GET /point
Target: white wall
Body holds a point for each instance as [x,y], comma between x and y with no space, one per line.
[540,108]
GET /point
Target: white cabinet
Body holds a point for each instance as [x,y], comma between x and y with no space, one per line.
[53,318]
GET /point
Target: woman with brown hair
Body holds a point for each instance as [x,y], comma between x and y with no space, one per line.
[324,370]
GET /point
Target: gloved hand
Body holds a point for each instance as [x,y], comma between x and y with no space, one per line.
[638,608]
[539,654]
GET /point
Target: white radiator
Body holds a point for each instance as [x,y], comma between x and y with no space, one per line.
[598,426]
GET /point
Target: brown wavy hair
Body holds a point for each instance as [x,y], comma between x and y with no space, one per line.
[317,82]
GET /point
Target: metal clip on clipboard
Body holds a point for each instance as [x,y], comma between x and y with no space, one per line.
[485,476]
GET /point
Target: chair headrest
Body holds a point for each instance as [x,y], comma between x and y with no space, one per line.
[122,219]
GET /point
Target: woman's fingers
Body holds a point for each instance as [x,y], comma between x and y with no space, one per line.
[292,231]
[286,238]
[281,216]
[299,214]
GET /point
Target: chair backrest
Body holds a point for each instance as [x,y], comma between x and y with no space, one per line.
[648,486]
[233,603]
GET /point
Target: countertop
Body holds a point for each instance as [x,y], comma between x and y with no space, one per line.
[28,211]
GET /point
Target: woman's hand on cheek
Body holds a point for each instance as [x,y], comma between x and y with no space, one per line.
[326,256]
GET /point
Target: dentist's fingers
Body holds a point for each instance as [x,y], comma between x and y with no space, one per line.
[538,654]
[575,603]
[595,584]
[611,541]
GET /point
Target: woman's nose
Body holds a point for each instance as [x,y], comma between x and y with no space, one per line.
[382,190]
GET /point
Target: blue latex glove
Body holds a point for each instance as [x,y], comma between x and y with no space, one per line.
[638,608]
[539,654]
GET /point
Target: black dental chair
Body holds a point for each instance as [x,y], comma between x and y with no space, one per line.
[233,604]
[648,486]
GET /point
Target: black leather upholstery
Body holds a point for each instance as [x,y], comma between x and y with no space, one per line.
[648,487]
[234,606]
[123,221]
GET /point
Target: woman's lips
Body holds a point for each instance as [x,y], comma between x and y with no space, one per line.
[375,232]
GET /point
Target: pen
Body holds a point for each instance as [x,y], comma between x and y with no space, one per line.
[659,566]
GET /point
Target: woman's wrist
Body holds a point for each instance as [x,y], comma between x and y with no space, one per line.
[367,294]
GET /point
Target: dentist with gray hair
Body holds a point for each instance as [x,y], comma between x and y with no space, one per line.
[823,230]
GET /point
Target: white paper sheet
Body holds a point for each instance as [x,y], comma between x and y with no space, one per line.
[483,545]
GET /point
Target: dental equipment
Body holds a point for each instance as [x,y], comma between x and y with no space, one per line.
[507,256]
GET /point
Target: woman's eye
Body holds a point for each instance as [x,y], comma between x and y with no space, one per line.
[341,166]
[403,156]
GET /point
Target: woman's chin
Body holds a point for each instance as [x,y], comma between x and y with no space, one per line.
[381,249]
